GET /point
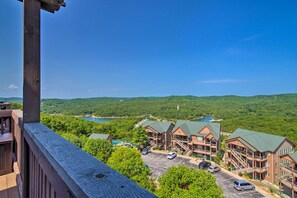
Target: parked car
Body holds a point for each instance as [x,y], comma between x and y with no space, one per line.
[204,165]
[145,151]
[213,169]
[171,155]
[243,185]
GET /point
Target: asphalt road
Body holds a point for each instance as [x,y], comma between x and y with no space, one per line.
[159,164]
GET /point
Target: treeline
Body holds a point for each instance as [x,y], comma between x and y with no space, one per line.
[128,161]
[75,127]
[275,114]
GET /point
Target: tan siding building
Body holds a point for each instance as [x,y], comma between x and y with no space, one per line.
[201,139]
[159,133]
[257,154]
[288,171]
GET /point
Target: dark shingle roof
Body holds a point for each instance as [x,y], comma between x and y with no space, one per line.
[260,141]
[160,127]
[99,136]
[193,127]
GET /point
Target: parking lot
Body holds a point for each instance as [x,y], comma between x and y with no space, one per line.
[159,163]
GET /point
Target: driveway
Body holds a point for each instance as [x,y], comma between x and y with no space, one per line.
[159,164]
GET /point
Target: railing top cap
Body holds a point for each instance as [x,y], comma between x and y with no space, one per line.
[78,169]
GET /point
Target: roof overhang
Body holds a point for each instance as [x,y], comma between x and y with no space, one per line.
[51,5]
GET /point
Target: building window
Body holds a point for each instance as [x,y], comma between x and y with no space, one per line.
[266,164]
[267,175]
[276,164]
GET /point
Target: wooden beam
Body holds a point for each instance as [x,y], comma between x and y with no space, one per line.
[31,86]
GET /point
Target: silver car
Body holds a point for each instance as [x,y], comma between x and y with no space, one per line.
[243,185]
[171,155]
[213,169]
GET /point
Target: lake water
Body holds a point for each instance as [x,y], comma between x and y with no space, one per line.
[104,120]
[98,120]
[205,119]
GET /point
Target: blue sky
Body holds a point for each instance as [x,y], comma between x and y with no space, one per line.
[156,48]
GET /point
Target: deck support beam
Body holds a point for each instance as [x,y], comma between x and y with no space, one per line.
[31,81]
[31,84]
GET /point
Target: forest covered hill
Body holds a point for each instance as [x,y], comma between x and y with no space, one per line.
[275,114]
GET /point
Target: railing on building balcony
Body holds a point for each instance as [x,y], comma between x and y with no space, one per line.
[288,168]
[57,168]
[263,157]
[180,138]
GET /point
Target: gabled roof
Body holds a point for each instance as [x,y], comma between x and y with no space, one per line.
[160,127]
[293,156]
[99,136]
[194,127]
[260,141]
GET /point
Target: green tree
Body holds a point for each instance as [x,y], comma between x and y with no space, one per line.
[223,143]
[16,106]
[182,181]
[73,139]
[99,148]
[128,162]
[139,136]
[218,157]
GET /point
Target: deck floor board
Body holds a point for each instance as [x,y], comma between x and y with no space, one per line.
[8,186]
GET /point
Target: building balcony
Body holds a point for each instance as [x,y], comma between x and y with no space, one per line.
[202,151]
[180,139]
[203,143]
[288,182]
[54,167]
[288,169]
[260,158]
[260,169]
[155,138]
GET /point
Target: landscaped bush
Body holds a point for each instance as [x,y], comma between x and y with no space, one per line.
[271,190]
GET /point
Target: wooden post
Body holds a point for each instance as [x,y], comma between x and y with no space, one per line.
[31,83]
[2,126]
[31,86]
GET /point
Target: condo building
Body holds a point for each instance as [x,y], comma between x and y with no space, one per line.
[258,154]
[201,139]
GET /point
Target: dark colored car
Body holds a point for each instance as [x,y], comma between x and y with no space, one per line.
[204,165]
[145,151]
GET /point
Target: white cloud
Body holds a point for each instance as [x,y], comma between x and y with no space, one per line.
[251,38]
[221,81]
[12,87]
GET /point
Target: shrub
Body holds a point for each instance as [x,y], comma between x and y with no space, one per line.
[271,190]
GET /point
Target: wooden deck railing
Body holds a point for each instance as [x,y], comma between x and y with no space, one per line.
[57,168]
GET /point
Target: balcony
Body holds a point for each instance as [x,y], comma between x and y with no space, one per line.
[288,183]
[201,151]
[260,158]
[180,139]
[260,169]
[213,144]
[53,167]
[288,169]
